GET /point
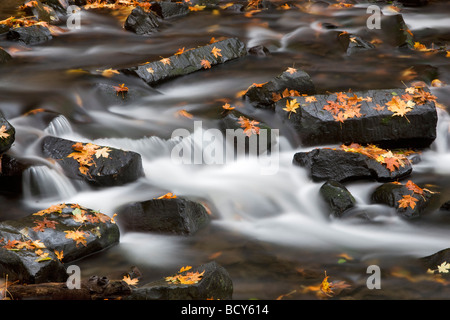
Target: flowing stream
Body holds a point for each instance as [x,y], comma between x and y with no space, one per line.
[264,227]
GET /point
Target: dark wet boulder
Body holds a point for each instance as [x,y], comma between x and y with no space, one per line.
[189,61]
[340,165]
[168,216]
[337,197]
[215,283]
[28,245]
[7,134]
[4,56]
[394,194]
[169,10]
[31,35]
[141,22]
[99,165]
[370,121]
[263,96]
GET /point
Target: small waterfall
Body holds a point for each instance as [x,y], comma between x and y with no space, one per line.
[45,184]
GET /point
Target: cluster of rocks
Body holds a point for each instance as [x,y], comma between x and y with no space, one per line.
[38,248]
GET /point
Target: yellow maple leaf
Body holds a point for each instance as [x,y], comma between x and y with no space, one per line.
[103,152]
[205,64]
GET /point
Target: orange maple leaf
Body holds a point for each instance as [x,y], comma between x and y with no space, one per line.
[168,195]
[54,208]
[216,52]
[398,106]
[121,88]
[291,106]
[249,126]
[340,117]
[227,106]
[59,254]
[184,113]
[180,51]
[45,223]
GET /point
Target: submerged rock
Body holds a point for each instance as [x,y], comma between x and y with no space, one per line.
[262,96]
[215,283]
[29,246]
[393,192]
[340,165]
[109,167]
[189,61]
[31,35]
[7,134]
[337,197]
[170,216]
[368,120]
[141,22]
